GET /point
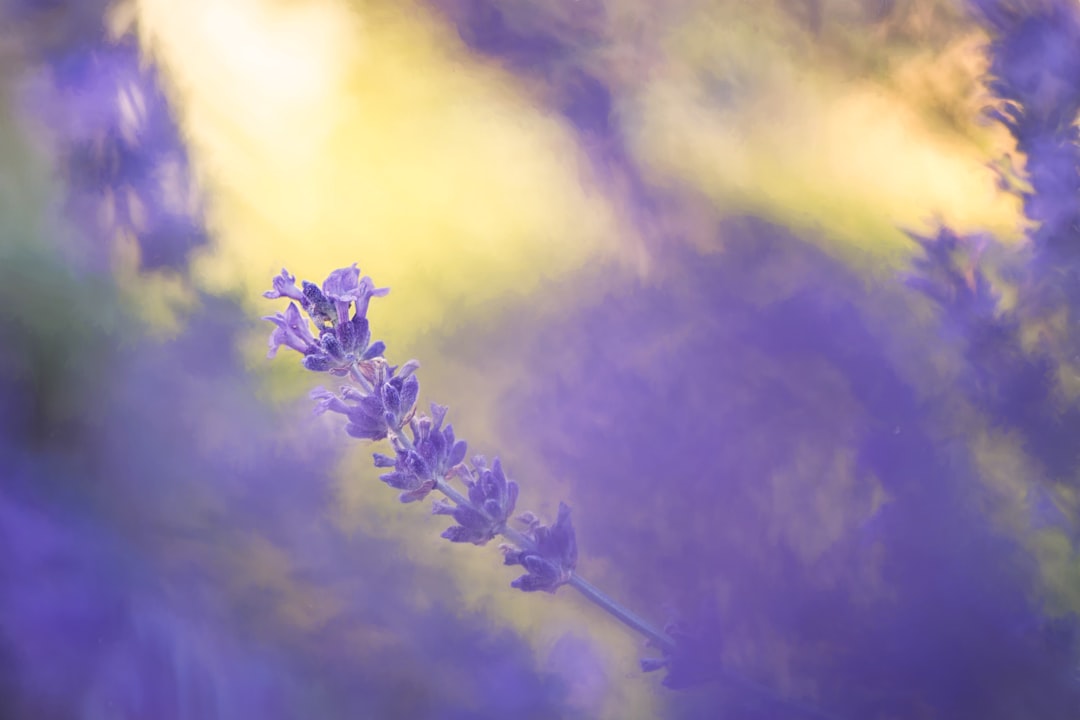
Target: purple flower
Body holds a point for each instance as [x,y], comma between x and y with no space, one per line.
[344,286]
[292,330]
[344,341]
[284,286]
[409,475]
[341,347]
[552,560]
[696,656]
[432,455]
[492,499]
[440,451]
[384,405]
[950,274]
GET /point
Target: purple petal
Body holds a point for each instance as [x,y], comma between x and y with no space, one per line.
[442,507]
[365,291]
[438,414]
[653,664]
[457,454]
[328,401]
[410,390]
[476,493]
[457,534]
[366,431]
[471,518]
[383,460]
[399,480]
[292,330]
[431,449]
[377,348]
[370,407]
[343,284]
[418,494]
[540,567]
[511,498]
[362,334]
[284,286]
[532,583]
[391,398]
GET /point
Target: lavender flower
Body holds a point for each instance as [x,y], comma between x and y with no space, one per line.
[292,331]
[1034,75]
[410,475]
[550,563]
[284,286]
[379,403]
[950,274]
[492,498]
[343,341]
[432,455]
[383,403]
[116,140]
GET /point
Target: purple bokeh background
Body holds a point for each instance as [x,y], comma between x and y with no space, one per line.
[758,444]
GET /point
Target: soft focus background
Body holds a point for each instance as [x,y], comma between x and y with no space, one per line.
[653,255]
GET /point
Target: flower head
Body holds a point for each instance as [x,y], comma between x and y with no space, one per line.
[949,273]
[343,341]
[409,475]
[696,657]
[384,404]
[552,560]
[492,499]
[433,455]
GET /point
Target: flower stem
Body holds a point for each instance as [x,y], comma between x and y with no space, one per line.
[660,639]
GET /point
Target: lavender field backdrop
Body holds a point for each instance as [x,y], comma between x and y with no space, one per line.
[780,300]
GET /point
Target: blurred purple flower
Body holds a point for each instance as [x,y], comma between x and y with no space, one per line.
[693,659]
[950,274]
[1034,75]
[907,620]
[118,147]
